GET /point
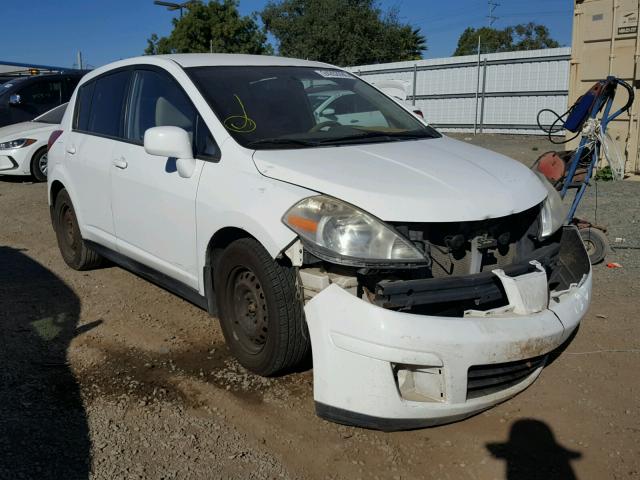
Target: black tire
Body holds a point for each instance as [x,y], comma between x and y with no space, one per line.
[73,248]
[260,306]
[39,165]
[596,243]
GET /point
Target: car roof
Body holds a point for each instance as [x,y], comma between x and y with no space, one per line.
[35,78]
[187,60]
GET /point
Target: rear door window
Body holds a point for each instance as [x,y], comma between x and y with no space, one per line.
[70,83]
[47,93]
[105,116]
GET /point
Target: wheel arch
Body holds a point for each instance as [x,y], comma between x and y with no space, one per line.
[217,243]
[222,238]
[36,151]
[54,190]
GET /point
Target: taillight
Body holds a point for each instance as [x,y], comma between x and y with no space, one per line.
[52,138]
[419,113]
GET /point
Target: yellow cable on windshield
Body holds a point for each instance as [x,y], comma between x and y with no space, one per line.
[240,123]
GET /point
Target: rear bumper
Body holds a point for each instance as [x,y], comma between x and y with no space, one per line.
[359,348]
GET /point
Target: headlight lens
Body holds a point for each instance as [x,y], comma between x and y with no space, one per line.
[335,227]
[554,213]
[18,143]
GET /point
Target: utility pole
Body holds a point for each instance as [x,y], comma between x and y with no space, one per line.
[475,119]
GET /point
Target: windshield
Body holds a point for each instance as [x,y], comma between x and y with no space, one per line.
[302,107]
[52,116]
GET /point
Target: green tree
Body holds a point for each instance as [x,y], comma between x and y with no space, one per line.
[527,36]
[216,25]
[342,32]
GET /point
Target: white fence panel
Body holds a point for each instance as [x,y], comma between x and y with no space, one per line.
[511,88]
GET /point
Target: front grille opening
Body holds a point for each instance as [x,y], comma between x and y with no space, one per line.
[459,307]
[450,246]
[484,380]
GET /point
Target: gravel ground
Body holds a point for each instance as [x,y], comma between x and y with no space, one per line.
[108,376]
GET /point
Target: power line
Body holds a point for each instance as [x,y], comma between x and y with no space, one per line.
[548,12]
[491,17]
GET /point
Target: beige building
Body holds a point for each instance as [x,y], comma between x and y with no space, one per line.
[606,41]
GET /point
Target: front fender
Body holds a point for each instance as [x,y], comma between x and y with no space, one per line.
[257,208]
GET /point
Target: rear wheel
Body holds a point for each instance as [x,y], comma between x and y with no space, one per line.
[39,165]
[73,248]
[260,308]
[595,242]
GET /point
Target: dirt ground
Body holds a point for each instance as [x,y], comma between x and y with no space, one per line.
[105,375]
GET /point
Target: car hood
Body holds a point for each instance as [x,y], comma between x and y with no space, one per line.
[432,180]
[20,130]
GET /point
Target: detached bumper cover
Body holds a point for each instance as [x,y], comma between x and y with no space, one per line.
[358,348]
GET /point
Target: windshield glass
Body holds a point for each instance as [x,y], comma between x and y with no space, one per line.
[301,107]
[52,116]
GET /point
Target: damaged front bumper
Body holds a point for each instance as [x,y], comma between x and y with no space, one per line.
[386,369]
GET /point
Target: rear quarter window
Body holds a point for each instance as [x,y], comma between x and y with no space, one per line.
[83,107]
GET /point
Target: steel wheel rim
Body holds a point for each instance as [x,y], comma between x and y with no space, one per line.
[42,164]
[250,314]
[68,228]
[589,246]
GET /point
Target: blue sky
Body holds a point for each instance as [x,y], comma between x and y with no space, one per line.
[47,32]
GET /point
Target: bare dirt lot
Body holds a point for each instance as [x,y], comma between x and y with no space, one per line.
[105,375]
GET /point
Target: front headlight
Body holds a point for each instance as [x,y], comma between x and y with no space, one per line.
[339,232]
[18,143]
[553,213]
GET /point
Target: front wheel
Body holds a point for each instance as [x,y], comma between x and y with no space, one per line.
[38,165]
[261,309]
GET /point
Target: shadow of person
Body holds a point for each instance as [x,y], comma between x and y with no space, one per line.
[532,453]
[43,426]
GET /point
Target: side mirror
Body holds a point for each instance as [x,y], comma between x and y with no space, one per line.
[15,99]
[171,142]
[327,112]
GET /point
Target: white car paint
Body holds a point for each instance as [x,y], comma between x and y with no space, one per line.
[325,112]
[354,344]
[166,222]
[17,161]
[396,89]
[435,180]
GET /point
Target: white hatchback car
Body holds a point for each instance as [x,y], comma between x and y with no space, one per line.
[430,278]
[23,146]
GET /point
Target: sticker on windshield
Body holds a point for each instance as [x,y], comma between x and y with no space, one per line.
[333,74]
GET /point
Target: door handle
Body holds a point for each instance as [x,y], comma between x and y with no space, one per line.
[120,163]
[71,150]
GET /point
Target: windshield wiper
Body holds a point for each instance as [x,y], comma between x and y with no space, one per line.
[281,142]
[382,136]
